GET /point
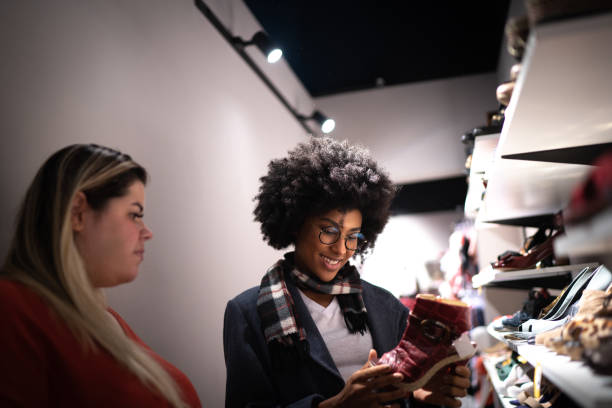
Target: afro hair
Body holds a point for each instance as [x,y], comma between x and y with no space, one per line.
[318,176]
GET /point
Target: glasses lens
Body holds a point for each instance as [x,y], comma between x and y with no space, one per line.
[329,236]
[355,241]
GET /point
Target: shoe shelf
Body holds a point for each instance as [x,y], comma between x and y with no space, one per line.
[574,378]
[593,237]
[559,115]
[553,277]
[498,385]
[482,158]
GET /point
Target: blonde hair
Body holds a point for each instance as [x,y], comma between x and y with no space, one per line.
[43,254]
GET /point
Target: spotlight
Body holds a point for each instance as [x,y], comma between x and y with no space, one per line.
[272,52]
[327,125]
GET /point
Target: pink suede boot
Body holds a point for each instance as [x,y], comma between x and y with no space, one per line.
[435,336]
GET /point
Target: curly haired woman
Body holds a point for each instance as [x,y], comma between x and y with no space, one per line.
[303,338]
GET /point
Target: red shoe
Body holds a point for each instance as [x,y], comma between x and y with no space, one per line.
[543,252]
[434,338]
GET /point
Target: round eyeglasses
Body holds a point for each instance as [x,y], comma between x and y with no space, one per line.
[352,242]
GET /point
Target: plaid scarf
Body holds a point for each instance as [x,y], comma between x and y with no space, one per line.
[276,307]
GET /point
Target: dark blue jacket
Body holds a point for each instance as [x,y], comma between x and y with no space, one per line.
[253,382]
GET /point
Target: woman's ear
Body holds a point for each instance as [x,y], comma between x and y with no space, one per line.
[77,211]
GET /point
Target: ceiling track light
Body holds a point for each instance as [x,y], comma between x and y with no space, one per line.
[326,124]
[272,52]
[262,41]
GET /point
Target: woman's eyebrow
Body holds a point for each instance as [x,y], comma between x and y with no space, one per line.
[339,225]
[330,221]
[137,204]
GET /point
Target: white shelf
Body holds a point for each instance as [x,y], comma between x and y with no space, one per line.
[489,364]
[490,275]
[561,99]
[482,159]
[521,189]
[593,237]
[574,378]
[562,95]
[484,152]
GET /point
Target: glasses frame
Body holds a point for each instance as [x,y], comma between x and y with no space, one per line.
[359,246]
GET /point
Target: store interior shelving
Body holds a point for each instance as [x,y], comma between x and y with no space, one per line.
[574,378]
[524,278]
[489,364]
[558,120]
[561,101]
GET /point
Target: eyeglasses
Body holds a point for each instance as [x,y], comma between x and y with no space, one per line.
[352,242]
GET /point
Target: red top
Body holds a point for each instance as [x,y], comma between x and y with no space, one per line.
[42,363]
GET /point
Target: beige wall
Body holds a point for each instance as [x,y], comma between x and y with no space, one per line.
[416,128]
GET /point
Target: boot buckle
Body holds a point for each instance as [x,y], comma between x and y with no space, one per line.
[435,330]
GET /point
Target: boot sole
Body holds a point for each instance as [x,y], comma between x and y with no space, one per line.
[415,385]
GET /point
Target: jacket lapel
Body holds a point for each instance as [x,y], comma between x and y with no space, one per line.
[383,339]
[318,349]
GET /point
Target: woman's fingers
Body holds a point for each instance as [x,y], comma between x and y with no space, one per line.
[372,358]
[394,393]
[459,379]
[367,373]
[462,371]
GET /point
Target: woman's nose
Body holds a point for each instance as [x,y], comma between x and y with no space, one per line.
[147,234]
[339,246]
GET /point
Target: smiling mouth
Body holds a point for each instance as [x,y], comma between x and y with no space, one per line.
[331,261]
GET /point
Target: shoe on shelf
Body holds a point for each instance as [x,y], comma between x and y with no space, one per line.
[559,315]
[515,71]
[536,301]
[517,31]
[504,91]
[539,255]
[435,336]
[594,194]
[548,312]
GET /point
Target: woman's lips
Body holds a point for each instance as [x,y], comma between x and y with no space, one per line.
[331,263]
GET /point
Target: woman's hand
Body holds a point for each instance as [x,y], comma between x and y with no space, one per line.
[364,387]
[445,387]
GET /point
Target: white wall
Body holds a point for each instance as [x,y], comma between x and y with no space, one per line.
[406,243]
[154,79]
[415,129]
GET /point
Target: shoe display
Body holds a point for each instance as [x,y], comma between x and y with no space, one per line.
[537,251]
[536,301]
[504,92]
[517,31]
[583,275]
[559,315]
[594,194]
[435,336]
[519,199]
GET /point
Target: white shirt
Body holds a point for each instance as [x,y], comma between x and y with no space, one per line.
[349,351]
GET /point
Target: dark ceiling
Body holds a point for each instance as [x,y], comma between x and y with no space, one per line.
[337,46]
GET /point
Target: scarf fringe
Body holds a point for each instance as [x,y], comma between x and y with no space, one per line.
[356,322]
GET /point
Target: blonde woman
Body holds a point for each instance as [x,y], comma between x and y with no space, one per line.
[80,229]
